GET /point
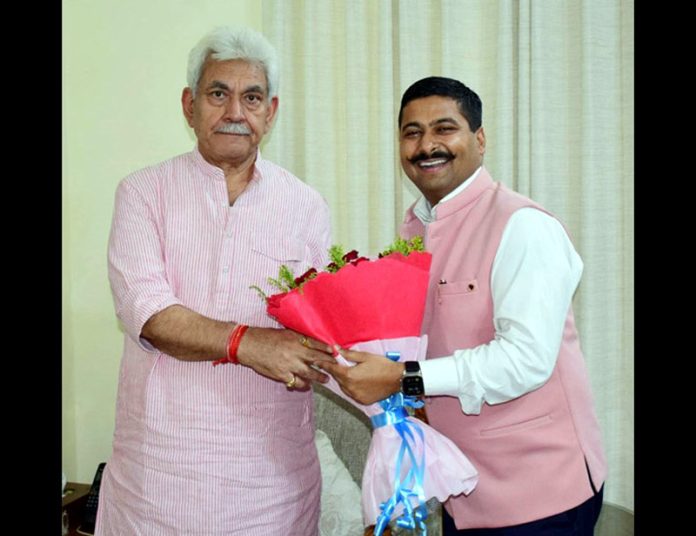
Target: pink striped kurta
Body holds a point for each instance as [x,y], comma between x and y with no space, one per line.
[200,449]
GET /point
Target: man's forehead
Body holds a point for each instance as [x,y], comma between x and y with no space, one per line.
[431,110]
[431,103]
[250,73]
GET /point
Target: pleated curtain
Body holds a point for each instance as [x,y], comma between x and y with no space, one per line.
[556,81]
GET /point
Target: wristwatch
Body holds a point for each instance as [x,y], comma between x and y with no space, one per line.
[412,379]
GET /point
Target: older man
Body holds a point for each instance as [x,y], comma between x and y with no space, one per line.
[505,377]
[200,449]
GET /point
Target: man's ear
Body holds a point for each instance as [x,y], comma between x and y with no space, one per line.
[187,105]
[272,109]
[481,139]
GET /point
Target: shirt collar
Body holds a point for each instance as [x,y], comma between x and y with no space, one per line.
[426,213]
[214,172]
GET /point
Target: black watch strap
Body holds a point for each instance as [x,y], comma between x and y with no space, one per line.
[412,366]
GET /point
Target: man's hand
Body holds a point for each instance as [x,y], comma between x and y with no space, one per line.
[373,378]
[280,354]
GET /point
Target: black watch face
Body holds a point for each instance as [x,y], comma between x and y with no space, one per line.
[412,385]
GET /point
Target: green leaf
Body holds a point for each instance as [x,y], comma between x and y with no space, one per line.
[336,253]
[286,276]
[404,246]
[260,292]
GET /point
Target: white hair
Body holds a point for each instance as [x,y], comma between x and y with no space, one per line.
[225,43]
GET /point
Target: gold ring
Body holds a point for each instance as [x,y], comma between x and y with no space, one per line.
[290,384]
[304,342]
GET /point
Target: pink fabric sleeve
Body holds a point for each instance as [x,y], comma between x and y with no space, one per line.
[136,265]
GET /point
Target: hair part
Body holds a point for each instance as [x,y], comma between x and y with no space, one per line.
[467,100]
[225,43]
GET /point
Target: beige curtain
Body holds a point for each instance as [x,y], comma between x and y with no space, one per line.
[556,81]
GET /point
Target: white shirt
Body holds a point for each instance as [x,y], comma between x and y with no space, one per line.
[536,259]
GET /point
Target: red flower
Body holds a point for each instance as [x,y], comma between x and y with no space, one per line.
[305,276]
[353,257]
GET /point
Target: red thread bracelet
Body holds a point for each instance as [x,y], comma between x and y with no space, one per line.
[233,345]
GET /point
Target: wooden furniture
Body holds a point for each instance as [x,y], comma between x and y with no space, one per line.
[74,503]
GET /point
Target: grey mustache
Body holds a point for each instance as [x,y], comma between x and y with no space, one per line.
[234,128]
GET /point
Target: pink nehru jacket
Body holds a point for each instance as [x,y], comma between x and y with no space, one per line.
[533,453]
[200,449]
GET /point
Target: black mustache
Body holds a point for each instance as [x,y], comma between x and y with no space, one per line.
[436,154]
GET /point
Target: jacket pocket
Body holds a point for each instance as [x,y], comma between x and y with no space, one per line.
[518,427]
[457,289]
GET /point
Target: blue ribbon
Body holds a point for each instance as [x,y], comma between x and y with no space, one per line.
[389,418]
[411,487]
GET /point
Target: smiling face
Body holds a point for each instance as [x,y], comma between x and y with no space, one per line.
[438,149]
[231,111]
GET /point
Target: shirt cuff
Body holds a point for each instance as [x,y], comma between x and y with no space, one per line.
[440,376]
[146,312]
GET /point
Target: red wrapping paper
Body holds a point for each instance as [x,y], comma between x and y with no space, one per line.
[380,299]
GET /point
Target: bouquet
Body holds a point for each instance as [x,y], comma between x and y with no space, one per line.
[377,306]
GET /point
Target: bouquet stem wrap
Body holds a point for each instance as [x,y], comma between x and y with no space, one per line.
[411,487]
[408,461]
